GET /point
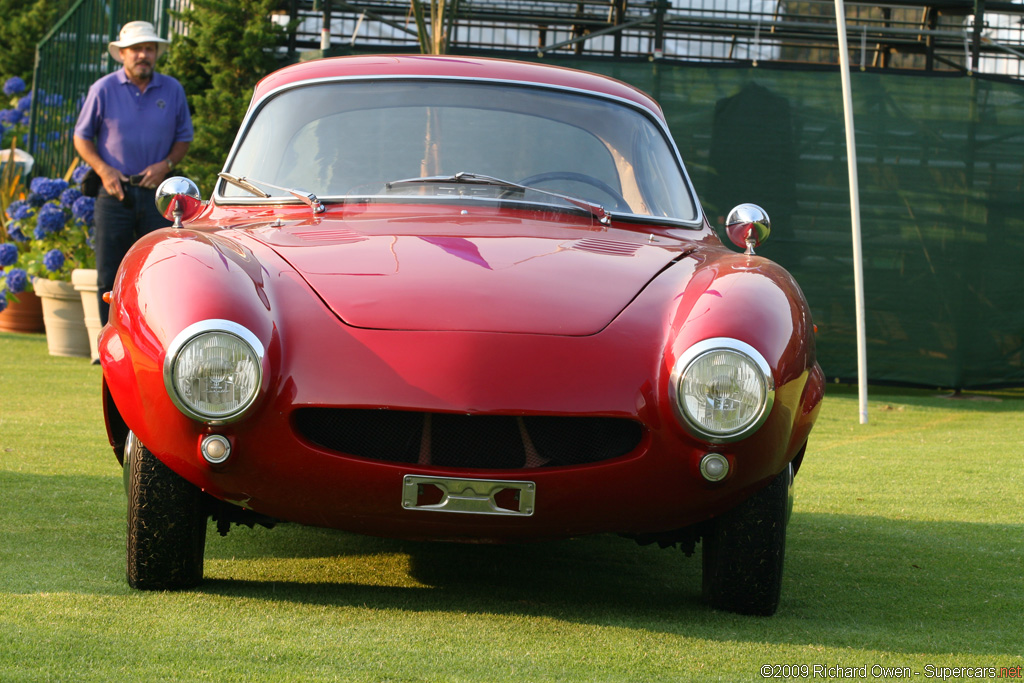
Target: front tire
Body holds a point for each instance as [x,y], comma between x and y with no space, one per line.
[166,524]
[744,549]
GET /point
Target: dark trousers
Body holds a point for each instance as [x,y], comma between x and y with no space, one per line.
[118,224]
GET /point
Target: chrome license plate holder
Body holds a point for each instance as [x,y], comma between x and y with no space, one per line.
[469,496]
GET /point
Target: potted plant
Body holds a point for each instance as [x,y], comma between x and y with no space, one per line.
[45,237]
[84,277]
[53,230]
[20,309]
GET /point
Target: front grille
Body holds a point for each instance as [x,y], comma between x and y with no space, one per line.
[489,442]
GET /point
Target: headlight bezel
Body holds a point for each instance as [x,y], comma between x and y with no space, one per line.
[190,334]
[696,352]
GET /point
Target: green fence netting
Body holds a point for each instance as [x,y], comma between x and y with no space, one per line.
[940,169]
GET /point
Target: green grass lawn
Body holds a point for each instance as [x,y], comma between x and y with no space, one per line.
[906,549]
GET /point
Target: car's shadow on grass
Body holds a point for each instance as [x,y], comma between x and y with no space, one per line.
[867,582]
[604,575]
[859,582]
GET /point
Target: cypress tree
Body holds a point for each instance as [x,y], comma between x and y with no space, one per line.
[23,25]
[226,49]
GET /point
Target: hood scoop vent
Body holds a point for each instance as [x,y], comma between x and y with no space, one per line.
[606,247]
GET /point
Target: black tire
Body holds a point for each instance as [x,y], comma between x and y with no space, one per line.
[744,549]
[166,524]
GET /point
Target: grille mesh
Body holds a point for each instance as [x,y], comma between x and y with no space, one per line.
[468,441]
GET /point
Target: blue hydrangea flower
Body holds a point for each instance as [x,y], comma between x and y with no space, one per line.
[25,103]
[83,209]
[15,233]
[8,254]
[53,260]
[51,219]
[19,210]
[35,200]
[69,196]
[3,300]
[57,186]
[48,188]
[11,117]
[78,175]
[17,279]
[15,85]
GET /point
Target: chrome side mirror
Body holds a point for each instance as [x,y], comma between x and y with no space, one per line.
[748,226]
[178,200]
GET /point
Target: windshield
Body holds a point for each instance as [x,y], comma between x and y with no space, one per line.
[357,139]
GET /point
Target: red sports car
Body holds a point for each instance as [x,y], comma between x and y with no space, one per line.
[465,300]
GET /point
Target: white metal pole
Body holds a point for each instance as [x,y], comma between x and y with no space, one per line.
[858,264]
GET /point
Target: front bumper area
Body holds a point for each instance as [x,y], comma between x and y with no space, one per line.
[655,488]
[277,469]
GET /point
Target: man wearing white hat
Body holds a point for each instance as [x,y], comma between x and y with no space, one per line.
[134,128]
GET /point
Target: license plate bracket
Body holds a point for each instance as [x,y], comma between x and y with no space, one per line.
[469,496]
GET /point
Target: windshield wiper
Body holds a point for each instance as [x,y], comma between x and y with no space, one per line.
[462,177]
[307,198]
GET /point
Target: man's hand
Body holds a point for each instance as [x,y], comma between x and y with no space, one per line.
[112,179]
[155,174]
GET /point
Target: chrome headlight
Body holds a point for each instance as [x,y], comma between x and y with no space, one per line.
[213,370]
[722,389]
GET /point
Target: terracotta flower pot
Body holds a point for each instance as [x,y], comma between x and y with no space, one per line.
[84,280]
[24,315]
[63,317]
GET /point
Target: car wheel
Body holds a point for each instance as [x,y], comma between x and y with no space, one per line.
[744,549]
[166,524]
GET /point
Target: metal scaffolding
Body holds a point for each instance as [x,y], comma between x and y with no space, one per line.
[952,35]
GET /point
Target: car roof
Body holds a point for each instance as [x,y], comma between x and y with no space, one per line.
[445,66]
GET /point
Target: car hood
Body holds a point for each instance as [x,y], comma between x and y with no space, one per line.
[488,274]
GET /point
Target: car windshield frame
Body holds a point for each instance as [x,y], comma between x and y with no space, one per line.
[644,121]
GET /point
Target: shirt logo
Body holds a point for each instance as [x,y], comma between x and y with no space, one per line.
[161,104]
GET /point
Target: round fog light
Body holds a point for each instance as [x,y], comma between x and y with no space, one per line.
[714,467]
[215,449]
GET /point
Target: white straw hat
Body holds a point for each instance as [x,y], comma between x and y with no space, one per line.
[133,33]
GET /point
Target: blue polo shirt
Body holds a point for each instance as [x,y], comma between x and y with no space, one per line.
[133,129]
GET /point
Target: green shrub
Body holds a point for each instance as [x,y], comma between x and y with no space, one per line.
[229,46]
